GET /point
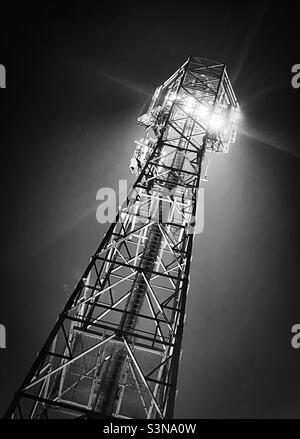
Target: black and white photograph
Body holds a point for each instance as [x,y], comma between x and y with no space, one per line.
[150,221]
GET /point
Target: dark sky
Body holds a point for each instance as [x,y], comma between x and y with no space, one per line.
[77,78]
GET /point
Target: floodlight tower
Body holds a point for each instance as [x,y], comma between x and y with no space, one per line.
[114,351]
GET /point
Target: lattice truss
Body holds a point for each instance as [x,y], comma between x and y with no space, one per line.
[115,349]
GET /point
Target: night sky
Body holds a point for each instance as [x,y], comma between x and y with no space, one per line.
[77,78]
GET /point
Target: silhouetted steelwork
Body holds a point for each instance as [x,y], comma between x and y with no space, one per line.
[115,349]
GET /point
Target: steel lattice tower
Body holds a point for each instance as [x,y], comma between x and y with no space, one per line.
[114,351]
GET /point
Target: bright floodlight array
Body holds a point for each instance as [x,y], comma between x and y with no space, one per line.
[214,120]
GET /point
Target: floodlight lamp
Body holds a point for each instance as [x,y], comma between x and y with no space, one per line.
[236,115]
[216,122]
